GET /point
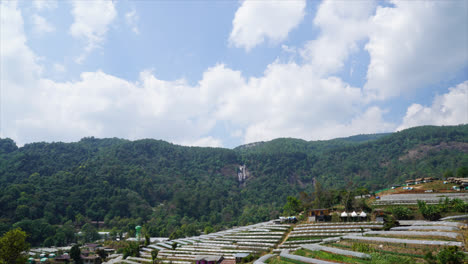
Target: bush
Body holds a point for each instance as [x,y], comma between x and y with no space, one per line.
[389,222]
[459,205]
[131,250]
[429,212]
[448,255]
[390,259]
[402,212]
[361,247]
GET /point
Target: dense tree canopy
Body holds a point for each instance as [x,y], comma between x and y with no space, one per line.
[51,190]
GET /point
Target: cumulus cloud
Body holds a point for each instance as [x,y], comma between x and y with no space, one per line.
[342,27]
[41,25]
[447,109]
[415,44]
[131,18]
[287,100]
[256,21]
[91,23]
[204,142]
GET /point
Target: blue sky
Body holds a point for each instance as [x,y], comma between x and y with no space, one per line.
[225,73]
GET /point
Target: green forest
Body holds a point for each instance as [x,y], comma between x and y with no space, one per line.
[51,190]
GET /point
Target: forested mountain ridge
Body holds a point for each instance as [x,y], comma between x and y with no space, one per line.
[179,190]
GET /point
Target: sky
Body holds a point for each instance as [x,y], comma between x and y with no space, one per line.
[226,73]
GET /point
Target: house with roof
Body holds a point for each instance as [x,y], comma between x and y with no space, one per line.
[208,259]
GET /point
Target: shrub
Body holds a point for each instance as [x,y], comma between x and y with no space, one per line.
[389,222]
[361,247]
[402,212]
[132,249]
[448,255]
[430,212]
[335,217]
[390,259]
[459,205]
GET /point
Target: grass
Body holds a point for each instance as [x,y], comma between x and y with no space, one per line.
[415,237]
[330,256]
[280,260]
[391,249]
[306,238]
[376,257]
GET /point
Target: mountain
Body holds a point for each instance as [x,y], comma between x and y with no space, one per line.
[179,190]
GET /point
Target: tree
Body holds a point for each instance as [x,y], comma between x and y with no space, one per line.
[292,206]
[132,249]
[90,233]
[174,245]
[154,254]
[147,240]
[462,172]
[102,254]
[430,212]
[209,229]
[448,174]
[75,254]
[401,212]
[12,245]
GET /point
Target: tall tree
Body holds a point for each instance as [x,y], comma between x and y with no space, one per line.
[154,255]
[75,254]
[12,245]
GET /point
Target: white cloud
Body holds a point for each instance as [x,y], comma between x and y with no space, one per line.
[41,25]
[342,27]
[447,109]
[287,100]
[132,21]
[204,142]
[256,21]
[91,23]
[18,68]
[415,44]
[45,4]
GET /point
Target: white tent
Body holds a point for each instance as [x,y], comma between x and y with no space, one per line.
[353,214]
[344,214]
[363,214]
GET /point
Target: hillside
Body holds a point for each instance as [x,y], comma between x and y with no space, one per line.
[180,190]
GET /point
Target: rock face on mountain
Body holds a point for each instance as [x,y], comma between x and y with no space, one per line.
[242,174]
[423,150]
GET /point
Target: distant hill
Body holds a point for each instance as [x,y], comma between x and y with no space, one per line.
[181,189]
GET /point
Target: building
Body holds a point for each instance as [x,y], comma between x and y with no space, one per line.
[379,215]
[319,215]
[62,259]
[240,256]
[90,259]
[208,259]
[460,181]
[409,182]
[91,247]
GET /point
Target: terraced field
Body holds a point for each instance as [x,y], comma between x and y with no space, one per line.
[359,242]
[393,246]
[413,198]
[254,239]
